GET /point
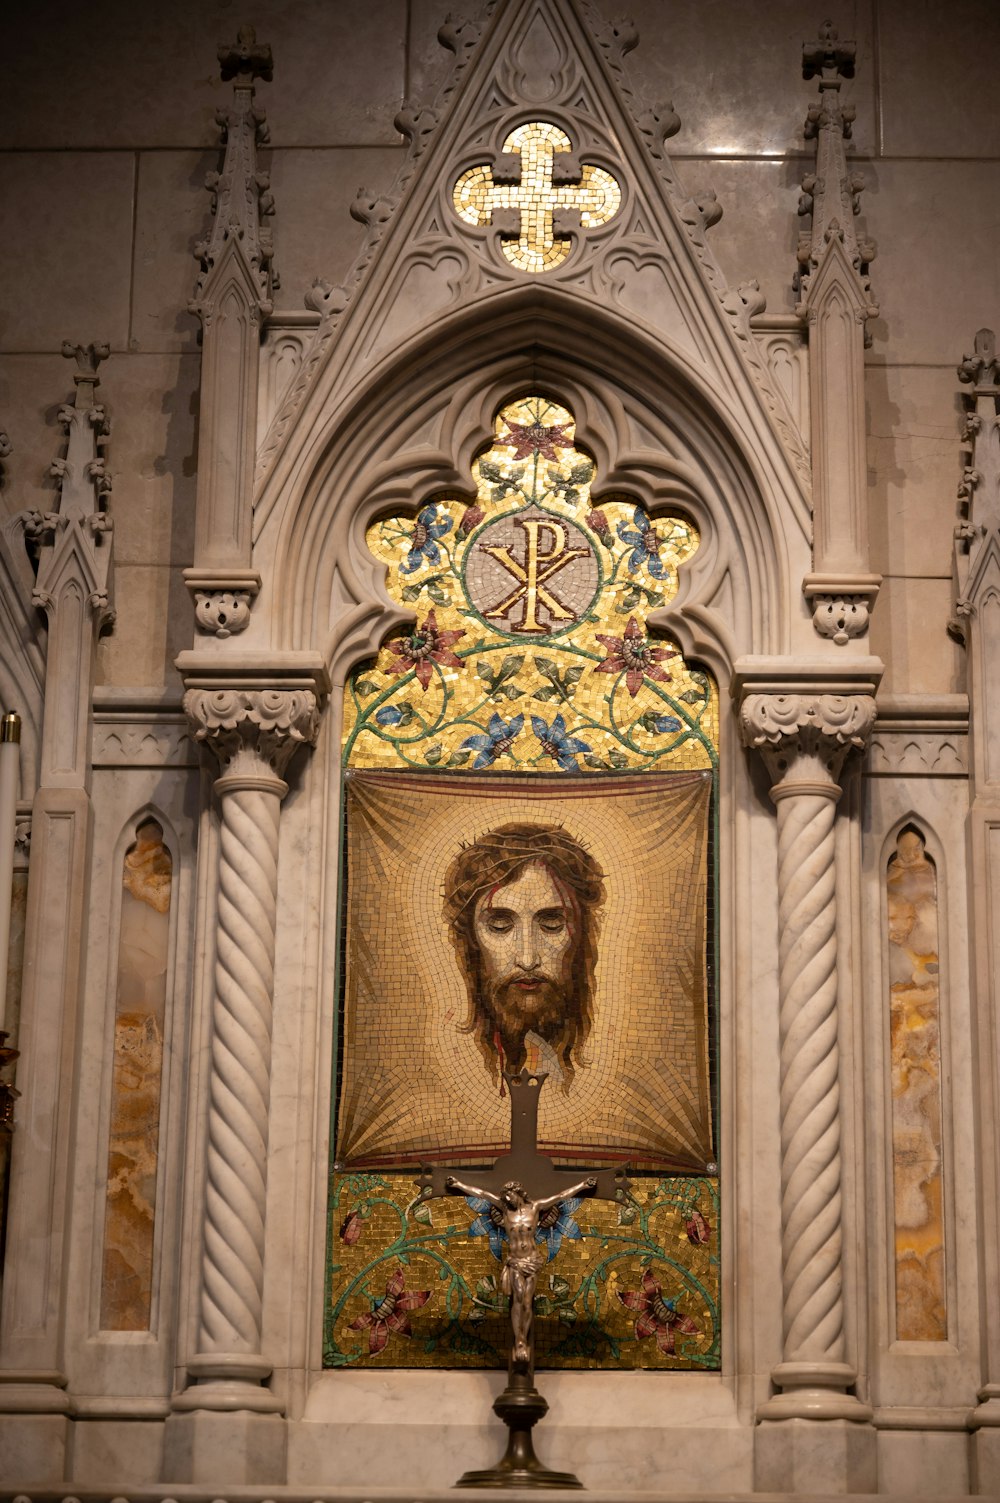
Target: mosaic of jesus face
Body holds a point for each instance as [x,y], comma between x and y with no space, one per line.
[522,904]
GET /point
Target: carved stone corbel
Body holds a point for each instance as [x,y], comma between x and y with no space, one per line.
[805,731]
[253,727]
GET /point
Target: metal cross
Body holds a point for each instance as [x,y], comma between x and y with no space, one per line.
[530,193]
[520,1184]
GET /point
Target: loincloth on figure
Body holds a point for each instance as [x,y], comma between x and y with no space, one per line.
[526,1263]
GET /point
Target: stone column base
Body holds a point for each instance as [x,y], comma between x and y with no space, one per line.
[984,1462]
[234,1449]
[815,1457]
[33,1448]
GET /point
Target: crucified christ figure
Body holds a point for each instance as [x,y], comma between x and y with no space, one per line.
[524,1256]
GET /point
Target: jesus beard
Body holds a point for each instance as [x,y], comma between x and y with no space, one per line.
[515,1010]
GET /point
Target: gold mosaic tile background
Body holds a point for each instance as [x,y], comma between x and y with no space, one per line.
[535,199]
[463,688]
[529,654]
[629,1286]
[414,1085]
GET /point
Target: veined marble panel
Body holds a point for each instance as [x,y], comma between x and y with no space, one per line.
[127,1281]
[914,1001]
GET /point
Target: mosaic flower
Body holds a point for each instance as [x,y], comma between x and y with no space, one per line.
[470,520]
[644,543]
[535,438]
[496,741]
[423,539]
[699,1231]
[633,656]
[558,1223]
[426,645]
[485,1225]
[351,1228]
[389,1315]
[656,1316]
[557,744]
[598,522]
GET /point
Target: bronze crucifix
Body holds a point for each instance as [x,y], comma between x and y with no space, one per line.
[522,1185]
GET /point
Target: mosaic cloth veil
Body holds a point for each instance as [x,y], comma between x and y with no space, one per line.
[415,1085]
[529,694]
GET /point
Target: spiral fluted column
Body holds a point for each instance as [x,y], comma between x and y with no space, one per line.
[804,740]
[254,734]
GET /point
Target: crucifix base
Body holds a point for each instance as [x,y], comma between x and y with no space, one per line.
[520,1406]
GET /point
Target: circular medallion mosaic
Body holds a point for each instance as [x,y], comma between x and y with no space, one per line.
[531,573]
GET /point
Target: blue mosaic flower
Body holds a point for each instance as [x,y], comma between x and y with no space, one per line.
[644,543]
[564,1225]
[388,715]
[661,724]
[498,739]
[556,744]
[423,545]
[485,1226]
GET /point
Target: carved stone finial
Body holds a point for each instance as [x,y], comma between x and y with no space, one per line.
[658,124]
[829,56]
[245,58]
[87,356]
[241,196]
[458,34]
[831,194]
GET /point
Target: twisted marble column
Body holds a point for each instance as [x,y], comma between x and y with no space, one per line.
[254,734]
[804,740]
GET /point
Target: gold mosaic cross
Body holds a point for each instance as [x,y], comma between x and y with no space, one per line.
[526,211]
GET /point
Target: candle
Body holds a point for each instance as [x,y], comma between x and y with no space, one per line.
[10,773]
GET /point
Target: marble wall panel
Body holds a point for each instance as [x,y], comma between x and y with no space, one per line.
[172,213]
[140,1008]
[759,228]
[154,623]
[147,75]
[153,401]
[936,279]
[314,234]
[32,388]
[734,71]
[909,633]
[914,465]
[949,56]
[66,269]
[915,1034]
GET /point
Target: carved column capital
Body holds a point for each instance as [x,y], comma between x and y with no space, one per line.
[253,732]
[804,738]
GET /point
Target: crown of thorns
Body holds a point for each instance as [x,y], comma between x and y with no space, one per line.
[549,843]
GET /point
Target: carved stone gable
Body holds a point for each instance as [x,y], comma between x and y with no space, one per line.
[537,165]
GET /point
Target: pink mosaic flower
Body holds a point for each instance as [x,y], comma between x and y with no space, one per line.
[351,1228]
[633,656]
[470,520]
[389,1315]
[535,438]
[657,1316]
[699,1231]
[426,645]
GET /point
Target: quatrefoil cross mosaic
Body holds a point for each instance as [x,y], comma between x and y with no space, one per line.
[531,190]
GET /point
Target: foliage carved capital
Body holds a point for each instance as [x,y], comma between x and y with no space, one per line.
[253,732]
[804,738]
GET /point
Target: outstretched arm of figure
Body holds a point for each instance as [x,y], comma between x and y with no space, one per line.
[584,1187]
[459,1187]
